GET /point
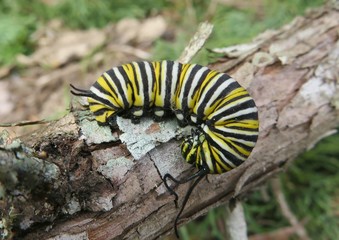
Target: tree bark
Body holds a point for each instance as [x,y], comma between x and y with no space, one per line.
[76,179]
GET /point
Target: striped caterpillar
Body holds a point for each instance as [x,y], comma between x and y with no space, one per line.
[223,112]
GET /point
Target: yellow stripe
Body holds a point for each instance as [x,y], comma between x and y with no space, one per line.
[128,68]
[208,158]
[159,99]
[190,153]
[222,142]
[216,158]
[240,149]
[113,98]
[235,93]
[92,101]
[194,98]
[156,67]
[117,99]
[246,124]
[126,86]
[96,107]
[131,88]
[183,72]
[129,71]
[138,99]
[197,94]
[206,81]
[102,118]
[211,108]
[226,140]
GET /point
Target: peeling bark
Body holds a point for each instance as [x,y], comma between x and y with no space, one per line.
[99,191]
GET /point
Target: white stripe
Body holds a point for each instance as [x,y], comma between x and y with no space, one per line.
[220,89]
[239,113]
[162,82]
[216,94]
[195,82]
[223,158]
[228,106]
[174,80]
[141,85]
[150,82]
[225,129]
[207,153]
[223,145]
[123,84]
[184,81]
[247,143]
[110,82]
[101,95]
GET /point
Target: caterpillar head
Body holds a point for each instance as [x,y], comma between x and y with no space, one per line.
[191,147]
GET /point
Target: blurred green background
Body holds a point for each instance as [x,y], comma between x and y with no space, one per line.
[235,21]
[310,184]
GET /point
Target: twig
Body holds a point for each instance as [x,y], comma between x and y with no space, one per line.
[196,42]
[23,123]
[286,211]
[281,233]
[236,228]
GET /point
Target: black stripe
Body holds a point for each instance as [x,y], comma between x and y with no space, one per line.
[225,104]
[144,82]
[127,80]
[187,87]
[168,82]
[231,100]
[100,99]
[232,158]
[117,83]
[250,138]
[153,82]
[239,136]
[200,81]
[160,79]
[242,128]
[135,79]
[233,148]
[214,162]
[177,84]
[211,91]
[245,105]
[102,89]
[101,111]
[248,116]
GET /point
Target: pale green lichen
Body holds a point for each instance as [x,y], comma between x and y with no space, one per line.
[115,168]
[92,133]
[143,137]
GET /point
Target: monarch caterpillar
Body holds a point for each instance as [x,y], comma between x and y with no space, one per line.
[223,112]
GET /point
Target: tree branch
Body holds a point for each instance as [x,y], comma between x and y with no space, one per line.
[99,191]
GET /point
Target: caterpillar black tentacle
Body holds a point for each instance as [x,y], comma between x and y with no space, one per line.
[200,174]
[224,113]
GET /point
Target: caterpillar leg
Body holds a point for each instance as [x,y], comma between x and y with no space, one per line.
[199,175]
[182,181]
[172,192]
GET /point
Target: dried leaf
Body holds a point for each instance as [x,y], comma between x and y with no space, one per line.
[67,46]
[151,29]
